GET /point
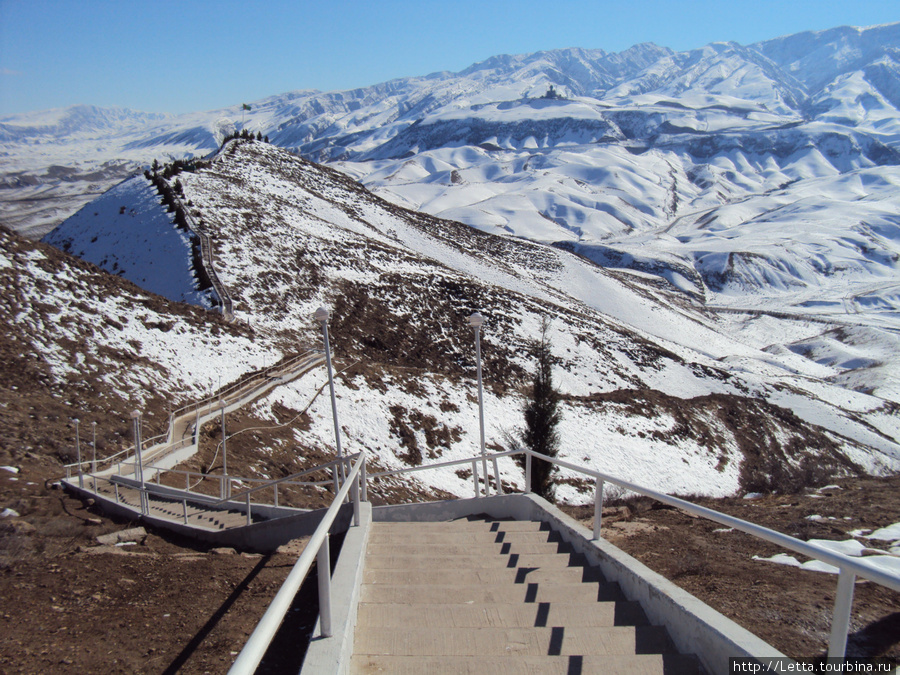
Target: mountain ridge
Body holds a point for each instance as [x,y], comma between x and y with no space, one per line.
[637,359]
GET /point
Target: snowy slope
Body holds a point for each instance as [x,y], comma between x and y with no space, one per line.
[652,380]
[128,232]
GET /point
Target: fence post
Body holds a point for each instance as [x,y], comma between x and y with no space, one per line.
[527,471]
[475,478]
[323,568]
[355,492]
[598,508]
[497,476]
[249,521]
[365,480]
[840,620]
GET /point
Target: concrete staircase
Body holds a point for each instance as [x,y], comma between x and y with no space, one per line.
[492,596]
[173,509]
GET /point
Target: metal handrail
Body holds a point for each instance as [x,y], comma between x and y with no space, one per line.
[317,547]
[849,567]
[268,484]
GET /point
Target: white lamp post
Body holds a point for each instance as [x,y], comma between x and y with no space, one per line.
[227,483]
[78,454]
[94,445]
[139,467]
[476,321]
[321,316]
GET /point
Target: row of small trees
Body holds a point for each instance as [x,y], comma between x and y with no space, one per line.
[246,135]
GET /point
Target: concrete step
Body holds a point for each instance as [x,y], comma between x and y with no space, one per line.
[520,615]
[463,536]
[504,641]
[432,594]
[475,524]
[467,576]
[429,561]
[452,547]
[612,664]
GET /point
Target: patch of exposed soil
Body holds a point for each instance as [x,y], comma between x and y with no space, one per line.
[789,608]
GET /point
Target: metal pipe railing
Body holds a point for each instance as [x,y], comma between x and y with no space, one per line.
[253,651]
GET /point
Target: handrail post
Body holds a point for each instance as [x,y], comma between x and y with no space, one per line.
[184,505]
[323,568]
[497,477]
[475,478]
[355,498]
[598,508]
[249,521]
[117,492]
[276,494]
[840,620]
[364,480]
[337,485]
[527,472]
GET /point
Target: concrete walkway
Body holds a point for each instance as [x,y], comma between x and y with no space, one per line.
[495,596]
[181,441]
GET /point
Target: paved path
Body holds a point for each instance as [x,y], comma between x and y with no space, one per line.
[487,596]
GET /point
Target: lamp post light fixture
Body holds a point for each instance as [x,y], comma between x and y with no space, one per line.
[321,316]
[78,454]
[139,466]
[476,321]
[227,484]
[94,446]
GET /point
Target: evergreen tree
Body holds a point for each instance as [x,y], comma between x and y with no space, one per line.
[259,135]
[542,416]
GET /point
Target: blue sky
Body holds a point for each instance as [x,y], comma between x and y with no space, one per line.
[185,55]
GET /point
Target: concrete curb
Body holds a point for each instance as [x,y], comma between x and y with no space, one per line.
[332,655]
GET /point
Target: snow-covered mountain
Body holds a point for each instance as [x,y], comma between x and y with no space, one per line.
[657,388]
[757,176]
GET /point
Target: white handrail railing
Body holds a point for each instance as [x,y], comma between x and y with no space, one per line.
[253,651]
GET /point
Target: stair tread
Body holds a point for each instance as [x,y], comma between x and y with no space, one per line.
[585,592]
[612,664]
[521,615]
[484,576]
[499,641]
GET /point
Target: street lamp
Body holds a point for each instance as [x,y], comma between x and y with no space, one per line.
[476,321]
[78,454]
[94,456]
[321,316]
[139,468]
[227,484]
